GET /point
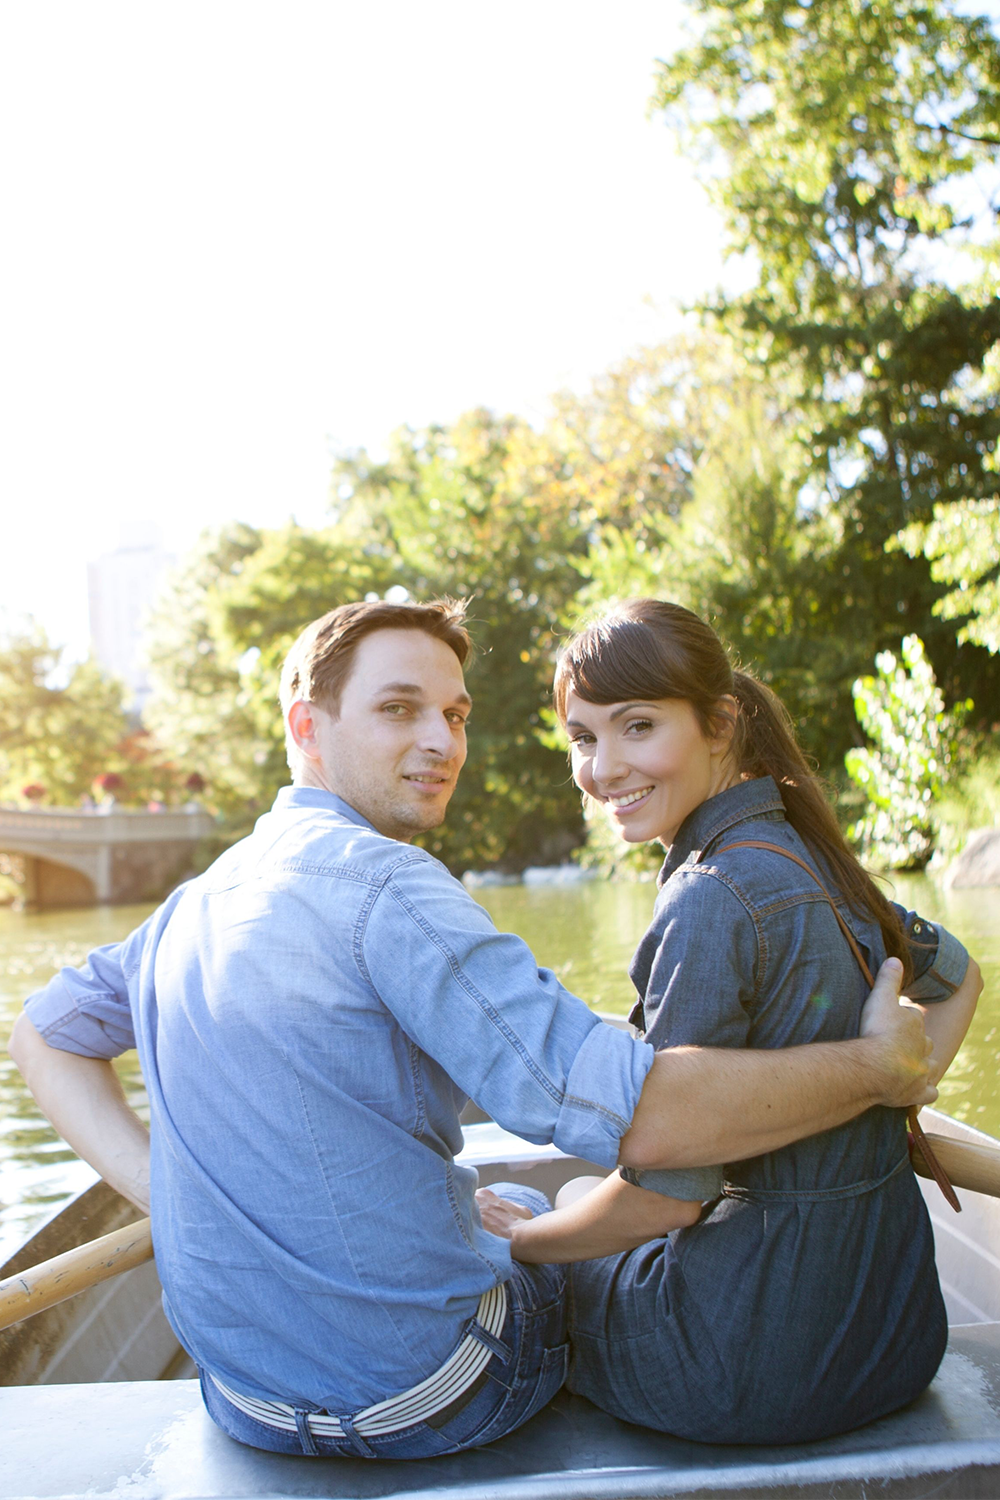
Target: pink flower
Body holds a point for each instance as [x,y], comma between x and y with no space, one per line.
[109,781]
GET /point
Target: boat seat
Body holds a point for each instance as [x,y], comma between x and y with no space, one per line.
[152,1440]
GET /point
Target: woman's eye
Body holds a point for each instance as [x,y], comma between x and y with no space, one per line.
[639,726]
[581,741]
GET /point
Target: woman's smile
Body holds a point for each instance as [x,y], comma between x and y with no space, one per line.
[626,802]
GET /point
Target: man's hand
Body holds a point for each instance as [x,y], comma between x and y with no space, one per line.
[499,1215]
[905,1047]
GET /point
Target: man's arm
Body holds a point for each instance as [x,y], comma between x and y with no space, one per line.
[85,1102]
[700,1106]
[697,1107]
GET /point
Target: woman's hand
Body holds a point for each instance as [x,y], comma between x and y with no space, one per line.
[947,1022]
[499,1215]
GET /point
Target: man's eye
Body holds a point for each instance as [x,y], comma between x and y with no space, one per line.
[395,708]
[457,721]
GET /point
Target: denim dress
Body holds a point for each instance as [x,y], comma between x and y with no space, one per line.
[805,1301]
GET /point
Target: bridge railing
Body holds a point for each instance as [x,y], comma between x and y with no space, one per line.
[52,825]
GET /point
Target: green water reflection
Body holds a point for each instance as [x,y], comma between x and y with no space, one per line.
[585,933]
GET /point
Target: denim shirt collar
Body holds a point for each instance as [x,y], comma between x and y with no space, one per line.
[314,796]
[742,803]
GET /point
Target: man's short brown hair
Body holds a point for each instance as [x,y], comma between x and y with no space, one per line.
[320,661]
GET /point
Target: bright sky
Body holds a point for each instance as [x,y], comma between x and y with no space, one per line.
[240,236]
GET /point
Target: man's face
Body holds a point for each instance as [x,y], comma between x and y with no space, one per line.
[397,744]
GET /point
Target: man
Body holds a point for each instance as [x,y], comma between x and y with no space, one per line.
[311,1014]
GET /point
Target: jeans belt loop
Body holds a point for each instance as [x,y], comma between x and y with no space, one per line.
[305,1434]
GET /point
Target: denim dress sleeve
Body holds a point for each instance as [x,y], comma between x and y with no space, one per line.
[939,959]
[702,959]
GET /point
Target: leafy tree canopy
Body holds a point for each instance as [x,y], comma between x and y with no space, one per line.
[843,142]
[58,739]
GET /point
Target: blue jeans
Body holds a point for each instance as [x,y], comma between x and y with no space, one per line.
[524,1373]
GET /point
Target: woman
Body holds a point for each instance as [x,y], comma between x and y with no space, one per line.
[799,1297]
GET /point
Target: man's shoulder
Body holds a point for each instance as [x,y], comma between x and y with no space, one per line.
[315,841]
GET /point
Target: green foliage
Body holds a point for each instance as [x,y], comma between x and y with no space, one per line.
[839,139]
[903,776]
[609,854]
[963,545]
[829,126]
[962,542]
[971,798]
[200,705]
[61,738]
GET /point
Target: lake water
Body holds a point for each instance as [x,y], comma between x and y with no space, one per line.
[585,933]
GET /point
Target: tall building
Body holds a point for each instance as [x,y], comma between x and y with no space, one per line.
[121,585]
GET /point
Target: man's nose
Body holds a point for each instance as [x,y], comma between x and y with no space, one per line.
[436,736]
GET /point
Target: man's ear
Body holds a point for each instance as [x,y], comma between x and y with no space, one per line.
[302,728]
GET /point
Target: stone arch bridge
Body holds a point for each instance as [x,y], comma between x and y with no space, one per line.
[82,858]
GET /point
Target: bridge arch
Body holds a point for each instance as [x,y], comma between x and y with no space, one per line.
[79,858]
[50,883]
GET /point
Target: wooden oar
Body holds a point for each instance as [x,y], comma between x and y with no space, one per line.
[42,1286]
[968,1163]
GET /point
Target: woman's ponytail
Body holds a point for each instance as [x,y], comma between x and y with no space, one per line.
[765,745]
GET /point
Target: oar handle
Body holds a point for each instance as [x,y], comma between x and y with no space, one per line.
[969,1164]
[42,1286]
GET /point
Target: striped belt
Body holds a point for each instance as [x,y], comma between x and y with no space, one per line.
[419,1404]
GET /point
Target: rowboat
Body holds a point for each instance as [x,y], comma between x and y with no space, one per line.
[99,1400]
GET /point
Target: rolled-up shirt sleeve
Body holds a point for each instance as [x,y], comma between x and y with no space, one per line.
[507,1032]
[939,959]
[86,1010]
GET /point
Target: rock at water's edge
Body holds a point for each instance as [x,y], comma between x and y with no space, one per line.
[979,862]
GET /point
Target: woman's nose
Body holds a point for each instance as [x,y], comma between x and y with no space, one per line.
[607,766]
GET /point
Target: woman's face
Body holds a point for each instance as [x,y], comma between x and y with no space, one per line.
[650,764]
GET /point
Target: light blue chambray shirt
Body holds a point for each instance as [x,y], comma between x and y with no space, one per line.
[311,1015]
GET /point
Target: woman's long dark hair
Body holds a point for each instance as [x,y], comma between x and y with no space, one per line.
[648,649]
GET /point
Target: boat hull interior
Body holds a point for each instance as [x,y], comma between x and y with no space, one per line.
[98,1399]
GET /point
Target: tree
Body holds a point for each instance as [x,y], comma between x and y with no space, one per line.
[839,138]
[60,738]
[962,542]
[905,771]
[963,545]
[199,706]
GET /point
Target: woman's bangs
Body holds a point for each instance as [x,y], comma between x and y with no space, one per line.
[617,660]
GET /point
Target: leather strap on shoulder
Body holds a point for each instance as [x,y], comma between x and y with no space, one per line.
[922,1144]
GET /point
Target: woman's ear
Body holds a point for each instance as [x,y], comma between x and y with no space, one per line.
[724,715]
